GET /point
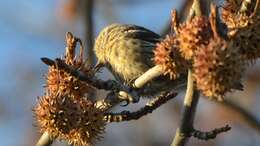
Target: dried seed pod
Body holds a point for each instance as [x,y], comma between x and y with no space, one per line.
[191,34]
[238,14]
[243,20]
[59,81]
[247,40]
[218,66]
[168,56]
[77,121]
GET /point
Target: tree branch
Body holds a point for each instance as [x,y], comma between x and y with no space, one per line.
[211,134]
[148,108]
[190,103]
[99,84]
[191,98]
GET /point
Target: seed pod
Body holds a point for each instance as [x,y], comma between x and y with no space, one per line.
[59,81]
[168,56]
[77,121]
[247,41]
[218,66]
[192,34]
[237,14]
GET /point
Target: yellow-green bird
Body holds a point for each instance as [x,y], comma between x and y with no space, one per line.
[127,51]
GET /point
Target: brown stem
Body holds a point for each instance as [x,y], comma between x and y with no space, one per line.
[148,108]
[99,84]
[209,134]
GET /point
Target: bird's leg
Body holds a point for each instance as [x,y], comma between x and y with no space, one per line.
[113,98]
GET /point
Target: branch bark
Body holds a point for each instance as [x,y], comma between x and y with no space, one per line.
[148,108]
[190,103]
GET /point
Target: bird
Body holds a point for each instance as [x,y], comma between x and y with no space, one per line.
[126,50]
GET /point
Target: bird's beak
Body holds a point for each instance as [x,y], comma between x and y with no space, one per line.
[98,66]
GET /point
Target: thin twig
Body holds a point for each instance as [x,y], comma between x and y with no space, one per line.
[148,108]
[99,84]
[195,9]
[210,134]
[45,140]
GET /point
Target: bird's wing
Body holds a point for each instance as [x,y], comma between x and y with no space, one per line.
[146,40]
[142,33]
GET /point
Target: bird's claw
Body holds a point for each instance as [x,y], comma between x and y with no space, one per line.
[128,98]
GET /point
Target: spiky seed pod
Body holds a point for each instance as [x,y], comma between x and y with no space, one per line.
[77,121]
[247,41]
[238,14]
[243,20]
[231,15]
[59,81]
[191,34]
[218,66]
[168,56]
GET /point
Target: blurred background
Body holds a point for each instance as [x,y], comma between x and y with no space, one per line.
[33,29]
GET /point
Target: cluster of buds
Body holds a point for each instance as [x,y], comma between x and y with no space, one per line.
[217,57]
[65,112]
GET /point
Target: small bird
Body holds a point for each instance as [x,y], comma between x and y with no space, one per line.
[127,51]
